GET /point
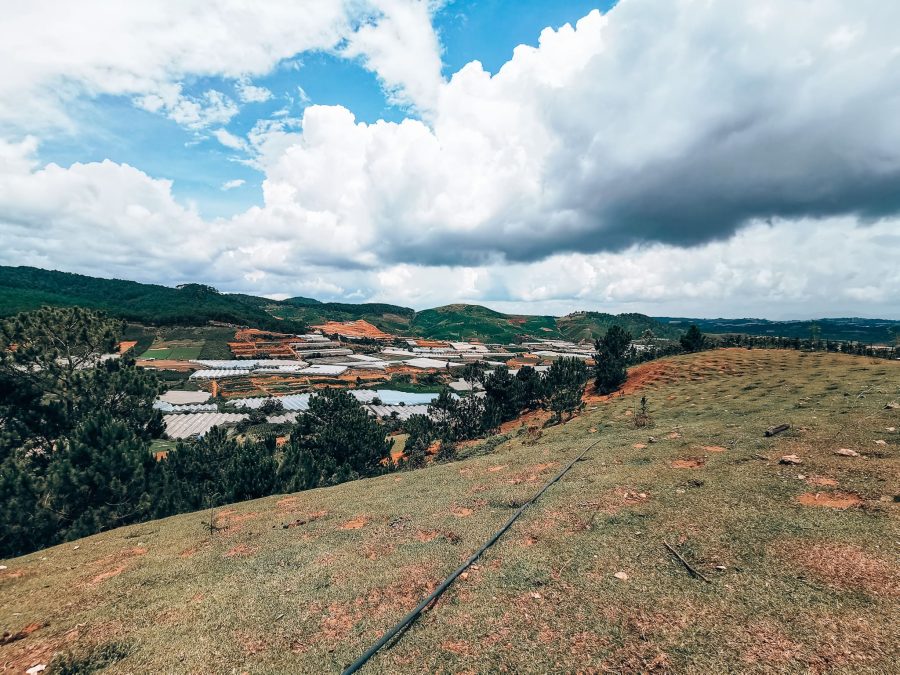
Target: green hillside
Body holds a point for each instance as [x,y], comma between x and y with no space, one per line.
[802,576]
[27,288]
[592,325]
[474,321]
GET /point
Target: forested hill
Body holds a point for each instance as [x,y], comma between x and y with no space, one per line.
[871,331]
[28,288]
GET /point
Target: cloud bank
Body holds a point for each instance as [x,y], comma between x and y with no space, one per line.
[713,157]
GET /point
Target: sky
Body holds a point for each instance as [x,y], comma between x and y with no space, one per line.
[699,158]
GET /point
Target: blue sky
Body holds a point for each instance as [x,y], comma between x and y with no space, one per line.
[111,127]
[714,158]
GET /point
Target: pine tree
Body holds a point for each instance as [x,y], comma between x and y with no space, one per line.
[693,340]
[611,370]
[422,434]
[98,478]
[532,387]
[564,386]
[74,428]
[24,524]
[504,392]
[336,440]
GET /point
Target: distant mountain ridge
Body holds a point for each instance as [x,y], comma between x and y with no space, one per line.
[27,288]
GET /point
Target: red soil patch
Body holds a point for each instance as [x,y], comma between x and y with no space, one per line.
[673,435]
[833,500]
[532,474]
[821,481]
[768,645]
[108,574]
[535,417]
[639,446]
[232,521]
[844,566]
[354,329]
[690,463]
[457,647]
[426,535]
[461,511]
[251,644]
[355,524]
[494,469]
[714,448]
[432,343]
[13,574]
[639,377]
[306,519]
[8,637]
[256,335]
[125,345]
[115,563]
[240,551]
[339,618]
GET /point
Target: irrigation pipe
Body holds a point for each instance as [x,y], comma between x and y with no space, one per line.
[407,620]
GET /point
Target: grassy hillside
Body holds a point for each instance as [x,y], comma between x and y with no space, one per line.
[801,559]
[27,288]
[593,325]
[474,321]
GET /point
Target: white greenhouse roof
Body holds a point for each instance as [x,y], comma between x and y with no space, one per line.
[425,363]
[197,424]
[404,412]
[216,374]
[176,397]
[186,408]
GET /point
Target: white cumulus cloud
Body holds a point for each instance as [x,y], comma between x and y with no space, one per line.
[232,184]
[712,157]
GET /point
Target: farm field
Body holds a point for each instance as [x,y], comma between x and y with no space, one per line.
[174,352]
[182,343]
[802,559]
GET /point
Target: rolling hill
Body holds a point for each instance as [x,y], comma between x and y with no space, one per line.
[801,575]
[25,288]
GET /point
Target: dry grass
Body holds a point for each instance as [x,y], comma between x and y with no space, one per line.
[317,576]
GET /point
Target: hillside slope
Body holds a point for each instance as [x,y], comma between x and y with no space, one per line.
[26,288]
[800,568]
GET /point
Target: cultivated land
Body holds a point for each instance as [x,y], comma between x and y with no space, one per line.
[804,571]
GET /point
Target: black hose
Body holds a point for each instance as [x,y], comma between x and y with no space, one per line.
[407,621]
